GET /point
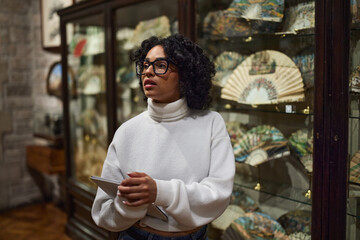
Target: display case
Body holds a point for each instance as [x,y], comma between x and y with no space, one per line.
[282,86]
[264,54]
[99,37]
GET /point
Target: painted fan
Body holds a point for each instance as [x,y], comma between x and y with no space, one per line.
[231,213]
[260,144]
[254,225]
[296,221]
[300,16]
[225,63]
[355,168]
[265,77]
[299,236]
[355,80]
[265,10]
[159,26]
[244,201]
[305,61]
[301,142]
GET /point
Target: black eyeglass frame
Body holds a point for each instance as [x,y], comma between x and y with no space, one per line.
[141,68]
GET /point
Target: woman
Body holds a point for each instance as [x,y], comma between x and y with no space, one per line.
[177,155]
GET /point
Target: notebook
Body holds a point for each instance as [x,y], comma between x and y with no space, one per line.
[110,187]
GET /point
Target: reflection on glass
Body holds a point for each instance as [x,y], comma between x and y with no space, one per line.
[133,25]
[88,124]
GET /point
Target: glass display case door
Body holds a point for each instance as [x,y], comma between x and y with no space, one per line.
[133,24]
[87,100]
[264,55]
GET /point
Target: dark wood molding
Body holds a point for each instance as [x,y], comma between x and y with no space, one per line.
[331,120]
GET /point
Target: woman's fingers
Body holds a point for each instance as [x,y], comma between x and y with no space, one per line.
[138,189]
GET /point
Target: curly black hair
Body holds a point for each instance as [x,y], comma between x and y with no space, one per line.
[195,68]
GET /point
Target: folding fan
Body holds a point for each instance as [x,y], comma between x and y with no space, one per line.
[225,63]
[260,144]
[300,16]
[299,236]
[265,77]
[301,142]
[265,10]
[296,221]
[254,225]
[305,61]
[231,213]
[354,82]
[159,27]
[355,168]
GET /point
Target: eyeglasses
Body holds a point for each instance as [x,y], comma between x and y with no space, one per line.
[160,66]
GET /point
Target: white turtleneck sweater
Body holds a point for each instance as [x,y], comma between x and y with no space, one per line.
[189,155]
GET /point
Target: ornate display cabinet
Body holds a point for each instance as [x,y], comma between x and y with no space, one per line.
[282,87]
[97,37]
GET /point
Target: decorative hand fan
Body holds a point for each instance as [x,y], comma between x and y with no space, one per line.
[266,10]
[221,24]
[301,142]
[235,131]
[355,11]
[300,16]
[296,221]
[355,80]
[260,144]
[225,63]
[241,199]
[265,77]
[244,17]
[254,225]
[92,79]
[231,213]
[305,61]
[355,168]
[299,236]
[159,26]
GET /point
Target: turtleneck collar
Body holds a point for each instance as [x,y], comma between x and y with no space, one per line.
[167,112]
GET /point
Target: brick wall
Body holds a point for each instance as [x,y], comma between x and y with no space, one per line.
[23,69]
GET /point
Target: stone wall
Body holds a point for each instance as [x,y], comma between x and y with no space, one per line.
[23,69]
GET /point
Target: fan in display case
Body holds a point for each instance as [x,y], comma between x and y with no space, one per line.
[296,221]
[260,144]
[225,63]
[265,77]
[354,176]
[299,17]
[355,80]
[301,142]
[305,61]
[254,225]
[159,27]
[355,11]
[231,213]
[244,17]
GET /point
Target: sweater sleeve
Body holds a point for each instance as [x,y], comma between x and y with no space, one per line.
[110,213]
[199,203]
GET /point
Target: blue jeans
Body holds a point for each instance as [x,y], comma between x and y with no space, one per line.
[137,234]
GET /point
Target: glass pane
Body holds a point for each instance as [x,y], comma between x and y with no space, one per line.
[87,106]
[134,24]
[263,52]
[353,207]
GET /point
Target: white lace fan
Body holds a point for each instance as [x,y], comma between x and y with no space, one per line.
[265,77]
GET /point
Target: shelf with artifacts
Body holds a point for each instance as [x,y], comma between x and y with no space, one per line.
[264,55]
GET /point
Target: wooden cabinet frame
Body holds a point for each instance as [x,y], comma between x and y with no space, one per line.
[330,112]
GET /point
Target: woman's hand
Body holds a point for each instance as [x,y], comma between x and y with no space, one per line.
[138,189]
